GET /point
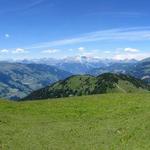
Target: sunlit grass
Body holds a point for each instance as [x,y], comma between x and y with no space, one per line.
[100,122]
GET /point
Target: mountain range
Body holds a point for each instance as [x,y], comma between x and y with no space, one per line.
[138,69]
[79,64]
[20,78]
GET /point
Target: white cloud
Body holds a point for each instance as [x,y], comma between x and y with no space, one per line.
[7,35]
[126,56]
[89,54]
[14,51]
[4,51]
[71,50]
[122,34]
[129,55]
[81,49]
[107,52]
[132,50]
[19,50]
[50,51]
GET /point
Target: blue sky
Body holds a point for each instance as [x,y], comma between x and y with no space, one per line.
[116,29]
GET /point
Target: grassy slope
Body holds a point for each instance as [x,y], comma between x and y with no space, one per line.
[100,122]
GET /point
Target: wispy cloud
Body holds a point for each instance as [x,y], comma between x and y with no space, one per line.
[33,4]
[120,34]
[4,51]
[19,50]
[50,51]
[131,50]
[118,14]
[24,8]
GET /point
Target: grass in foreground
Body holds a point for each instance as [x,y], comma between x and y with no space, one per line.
[100,122]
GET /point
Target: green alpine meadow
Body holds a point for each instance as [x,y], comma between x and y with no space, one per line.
[74,75]
[98,122]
